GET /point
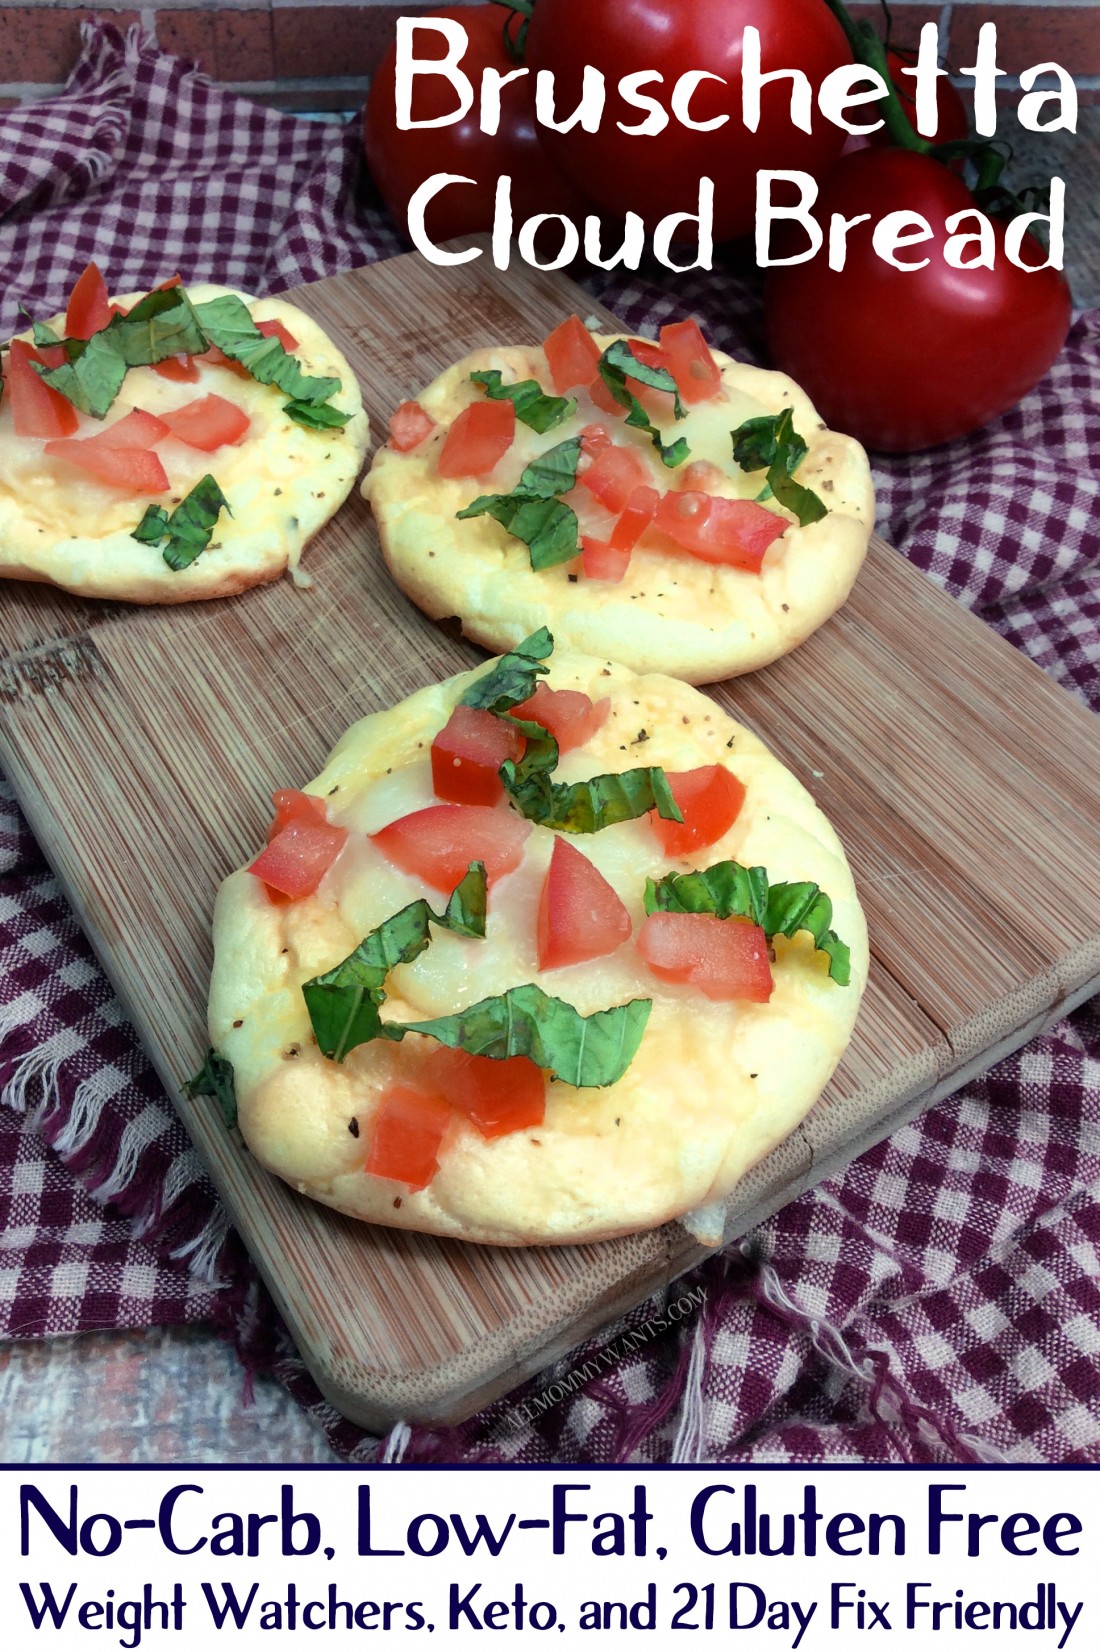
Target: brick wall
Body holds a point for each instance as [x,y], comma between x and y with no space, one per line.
[319,54]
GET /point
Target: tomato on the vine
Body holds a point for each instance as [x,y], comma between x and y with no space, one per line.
[951,119]
[659,174]
[906,359]
[401,161]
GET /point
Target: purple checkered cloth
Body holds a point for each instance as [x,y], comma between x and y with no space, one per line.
[940,1300]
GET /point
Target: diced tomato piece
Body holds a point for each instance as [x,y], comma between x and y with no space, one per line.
[571,355]
[136,429]
[208,423]
[36,409]
[478,439]
[137,469]
[275,329]
[723,957]
[710,801]
[216,357]
[580,915]
[600,561]
[497,1097]
[735,532]
[467,754]
[180,369]
[614,474]
[408,1129]
[594,439]
[291,805]
[51,355]
[409,426]
[570,716]
[603,398]
[438,843]
[648,353]
[700,476]
[89,307]
[298,857]
[640,510]
[689,360]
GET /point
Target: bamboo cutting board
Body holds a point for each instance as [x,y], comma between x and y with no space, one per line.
[144,745]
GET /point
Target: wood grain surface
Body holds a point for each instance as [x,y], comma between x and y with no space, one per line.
[144,746]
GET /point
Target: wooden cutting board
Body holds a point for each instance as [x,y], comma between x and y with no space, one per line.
[144,745]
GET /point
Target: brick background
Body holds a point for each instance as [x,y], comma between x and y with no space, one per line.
[319,54]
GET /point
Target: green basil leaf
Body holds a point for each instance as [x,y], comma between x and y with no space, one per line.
[615,366]
[729,890]
[585,805]
[161,324]
[344,1003]
[227,324]
[589,1051]
[771,443]
[553,472]
[316,415]
[190,526]
[536,409]
[44,337]
[514,677]
[215,1078]
[548,527]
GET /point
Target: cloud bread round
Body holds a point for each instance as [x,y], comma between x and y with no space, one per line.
[713,1086]
[676,614]
[61,526]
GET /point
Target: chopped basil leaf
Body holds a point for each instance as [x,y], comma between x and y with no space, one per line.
[548,527]
[729,890]
[188,528]
[513,678]
[615,366]
[536,409]
[316,415]
[344,1003]
[215,1078]
[772,443]
[585,805]
[531,512]
[161,324]
[44,337]
[227,323]
[588,1051]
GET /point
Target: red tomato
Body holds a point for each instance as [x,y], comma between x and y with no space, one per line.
[208,423]
[406,1135]
[401,161]
[409,426]
[660,174]
[438,843]
[497,1097]
[89,307]
[600,561]
[722,957]
[688,358]
[136,469]
[36,410]
[594,439]
[291,805]
[570,716]
[216,357]
[478,439]
[614,474]
[275,329]
[905,359]
[467,754]
[735,532]
[640,510]
[580,915]
[180,369]
[710,801]
[298,857]
[135,429]
[571,354]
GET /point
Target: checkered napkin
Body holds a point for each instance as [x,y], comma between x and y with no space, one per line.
[940,1299]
